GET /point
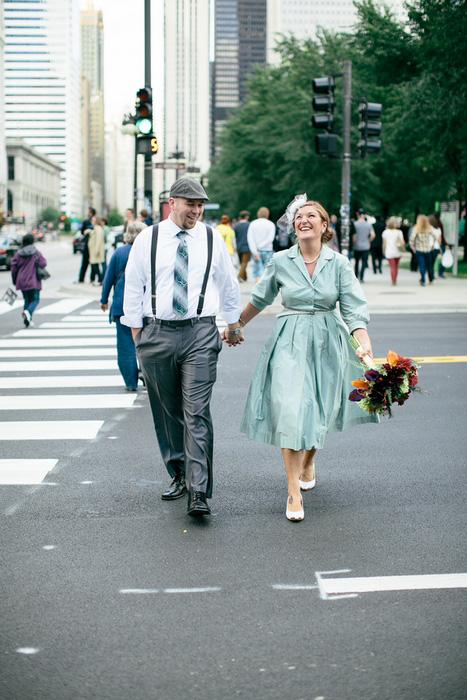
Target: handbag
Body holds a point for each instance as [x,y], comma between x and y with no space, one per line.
[400,245]
[10,296]
[447,259]
[41,272]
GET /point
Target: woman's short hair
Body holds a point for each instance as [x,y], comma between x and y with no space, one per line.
[328,233]
[391,222]
[132,231]
[28,239]
[225,219]
[263,213]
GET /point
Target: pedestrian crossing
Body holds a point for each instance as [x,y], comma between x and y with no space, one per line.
[41,370]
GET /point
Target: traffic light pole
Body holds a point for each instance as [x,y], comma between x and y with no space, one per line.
[346,158]
[147,82]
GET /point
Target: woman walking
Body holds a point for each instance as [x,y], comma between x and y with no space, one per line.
[115,277]
[299,391]
[24,276]
[96,245]
[393,246]
[422,243]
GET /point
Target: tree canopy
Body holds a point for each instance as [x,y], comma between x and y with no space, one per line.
[417,69]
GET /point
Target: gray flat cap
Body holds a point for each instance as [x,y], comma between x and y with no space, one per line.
[189,189]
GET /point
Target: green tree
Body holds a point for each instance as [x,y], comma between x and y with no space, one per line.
[115,218]
[50,215]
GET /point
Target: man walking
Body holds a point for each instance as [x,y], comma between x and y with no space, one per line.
[241,239]
[178,277]
[86,225]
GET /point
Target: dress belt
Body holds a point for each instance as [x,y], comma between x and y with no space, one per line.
[295,312]
[147,320]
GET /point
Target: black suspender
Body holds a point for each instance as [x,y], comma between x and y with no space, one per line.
[155,233]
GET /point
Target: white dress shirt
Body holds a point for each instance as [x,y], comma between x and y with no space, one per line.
[222,291]
[261,234]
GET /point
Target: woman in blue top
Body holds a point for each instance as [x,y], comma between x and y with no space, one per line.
[302,380]
[115,277]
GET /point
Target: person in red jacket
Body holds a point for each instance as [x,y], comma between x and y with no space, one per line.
[24,275]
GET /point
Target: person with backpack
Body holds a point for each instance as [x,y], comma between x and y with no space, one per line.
[24,276]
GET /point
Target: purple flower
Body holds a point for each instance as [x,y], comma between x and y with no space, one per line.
[371,375]
[355,395]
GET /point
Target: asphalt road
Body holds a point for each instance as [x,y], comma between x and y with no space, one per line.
[110,593]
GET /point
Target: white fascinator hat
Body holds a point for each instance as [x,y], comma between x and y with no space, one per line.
[285,223]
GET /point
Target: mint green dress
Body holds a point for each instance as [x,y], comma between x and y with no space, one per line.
[300,387]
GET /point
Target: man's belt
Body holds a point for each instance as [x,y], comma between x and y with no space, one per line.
[147,320]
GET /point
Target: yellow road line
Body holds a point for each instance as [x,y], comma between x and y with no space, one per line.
[430,360]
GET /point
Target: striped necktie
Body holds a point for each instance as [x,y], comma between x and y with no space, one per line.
[180,293]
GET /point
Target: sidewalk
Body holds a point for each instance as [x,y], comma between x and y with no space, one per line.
[447,295]
[444,295]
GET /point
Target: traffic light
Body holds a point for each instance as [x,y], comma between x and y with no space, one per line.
[144,110]
[325,144]
[146,144]
[369,128]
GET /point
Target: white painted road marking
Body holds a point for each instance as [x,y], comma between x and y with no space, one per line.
[137,591]
[68,352]
[34,342]
[70,401]
[57,366]
[50,430]
[60,382]
[20,472]
[104,323]
[65,333]
[5,307]
[64,306]
[374,584]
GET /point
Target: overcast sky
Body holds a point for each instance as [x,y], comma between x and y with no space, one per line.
[124,52]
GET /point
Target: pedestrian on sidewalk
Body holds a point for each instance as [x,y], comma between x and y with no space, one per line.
[179,276]
[393,246]
[422,243]
[115,278]
[228,236]
[24,276]
[241,239]
[376,246]
[261,234]
[299,391]
[362,238]
[86,225]
[96,245]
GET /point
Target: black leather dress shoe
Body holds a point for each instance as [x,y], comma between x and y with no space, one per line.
[197,505]
[177,489]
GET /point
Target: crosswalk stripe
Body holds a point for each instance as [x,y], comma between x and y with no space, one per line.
[34,342]
[64,306]
[98,316]
[57,366]
[66,333]
[76,324]
[68,352]
[50,430]
[67,401]
[373,584]
[61,382]
[5,307]
[24,472]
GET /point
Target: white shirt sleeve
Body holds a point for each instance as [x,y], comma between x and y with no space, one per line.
[226,281]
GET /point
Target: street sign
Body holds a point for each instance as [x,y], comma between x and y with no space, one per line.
[170,166]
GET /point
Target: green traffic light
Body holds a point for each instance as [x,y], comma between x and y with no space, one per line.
[144,126]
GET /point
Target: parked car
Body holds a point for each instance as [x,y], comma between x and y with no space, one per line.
[78,243]
[8,247]
[115,237]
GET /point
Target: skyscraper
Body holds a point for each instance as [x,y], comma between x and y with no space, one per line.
[240,44]
[92,66]
[302,18]
[186,124]
[42,86]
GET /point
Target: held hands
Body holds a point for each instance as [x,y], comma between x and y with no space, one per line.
[231,338]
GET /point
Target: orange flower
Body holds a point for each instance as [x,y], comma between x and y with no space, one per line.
[392,358]
[360,384]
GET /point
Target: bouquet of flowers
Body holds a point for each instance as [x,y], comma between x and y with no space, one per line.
[383,385]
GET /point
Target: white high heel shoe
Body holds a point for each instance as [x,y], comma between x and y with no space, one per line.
[297,515]
[307,485]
